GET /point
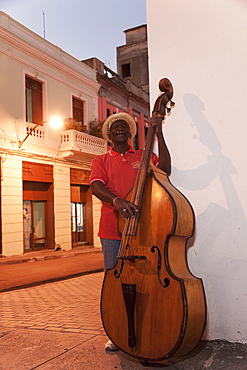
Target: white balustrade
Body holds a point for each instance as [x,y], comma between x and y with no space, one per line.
[71,141]
[38,132]
[81,141]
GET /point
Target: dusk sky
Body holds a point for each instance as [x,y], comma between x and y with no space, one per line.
[82,28]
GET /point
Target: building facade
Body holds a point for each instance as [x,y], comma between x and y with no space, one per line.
[117,94]
[132,58]
[46,201]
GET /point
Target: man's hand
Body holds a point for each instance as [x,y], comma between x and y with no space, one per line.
[125,207]
[157,123]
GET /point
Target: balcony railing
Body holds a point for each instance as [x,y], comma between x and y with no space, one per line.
[38,132]
[76,142]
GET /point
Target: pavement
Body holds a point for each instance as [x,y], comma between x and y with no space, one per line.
[45,266]
[53,323]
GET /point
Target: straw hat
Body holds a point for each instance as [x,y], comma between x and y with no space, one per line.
[118,117]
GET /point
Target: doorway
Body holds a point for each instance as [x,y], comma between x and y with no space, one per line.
[38,216]
[78,223]
[81,215]
[34,225]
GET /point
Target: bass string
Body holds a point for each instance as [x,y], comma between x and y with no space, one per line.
[130,226]
[126,239]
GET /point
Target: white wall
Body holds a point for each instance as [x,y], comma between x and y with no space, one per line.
[96,219]
[62,202]
[201,46]
[12,205]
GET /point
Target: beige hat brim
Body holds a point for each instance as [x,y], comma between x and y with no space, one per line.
[118,117]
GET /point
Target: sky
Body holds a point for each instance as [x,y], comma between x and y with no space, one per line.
[82,28]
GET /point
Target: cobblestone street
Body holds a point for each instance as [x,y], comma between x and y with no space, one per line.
[57,326]
[70,306]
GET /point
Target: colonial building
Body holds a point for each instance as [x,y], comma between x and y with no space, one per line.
[46,200]
[132,58]
[117,94]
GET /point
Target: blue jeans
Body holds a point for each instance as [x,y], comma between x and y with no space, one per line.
[110,249]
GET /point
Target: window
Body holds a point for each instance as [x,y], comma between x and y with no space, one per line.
[126,70]
[78,111]
[136,140]
[34,101]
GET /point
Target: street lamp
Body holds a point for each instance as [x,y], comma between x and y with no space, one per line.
[55,122]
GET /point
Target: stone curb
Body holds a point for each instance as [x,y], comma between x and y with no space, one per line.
[61,254]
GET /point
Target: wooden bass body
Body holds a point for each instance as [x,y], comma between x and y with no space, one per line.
[152,306]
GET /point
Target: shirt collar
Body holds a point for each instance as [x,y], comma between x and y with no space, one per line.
[114,154]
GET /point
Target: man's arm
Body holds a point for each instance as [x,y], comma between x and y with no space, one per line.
[164,155]
[127,209]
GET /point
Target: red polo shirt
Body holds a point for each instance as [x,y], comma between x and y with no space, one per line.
[118,173]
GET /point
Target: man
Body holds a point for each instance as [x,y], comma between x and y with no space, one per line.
[113,176]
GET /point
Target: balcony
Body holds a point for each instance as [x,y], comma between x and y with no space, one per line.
[75,143]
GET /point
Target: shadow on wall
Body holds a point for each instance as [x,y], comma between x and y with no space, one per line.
[222,229]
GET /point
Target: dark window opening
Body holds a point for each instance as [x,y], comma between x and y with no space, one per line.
[34,101]
[78,111]
[136,140]
[126,70]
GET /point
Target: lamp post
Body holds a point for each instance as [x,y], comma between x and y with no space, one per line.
[54,121]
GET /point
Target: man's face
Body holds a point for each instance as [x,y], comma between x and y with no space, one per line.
[119,132]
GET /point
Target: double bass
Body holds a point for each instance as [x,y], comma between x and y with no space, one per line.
[152,307]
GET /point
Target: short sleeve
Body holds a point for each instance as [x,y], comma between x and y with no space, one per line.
[98,171]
